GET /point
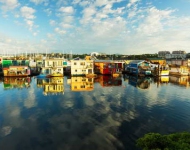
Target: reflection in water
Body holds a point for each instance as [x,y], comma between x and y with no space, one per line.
[16,82]
[83,83]
[141,82]
[182,81]
[53,85]
[101,118]
[107,81]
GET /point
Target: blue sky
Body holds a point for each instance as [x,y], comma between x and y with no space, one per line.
[85,26]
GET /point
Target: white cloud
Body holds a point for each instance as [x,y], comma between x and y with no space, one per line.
[76,1]
[27,12]
[37,2]
[88,14]
[67,10]
[48,11]
[59,31]
[65,25]
[9,4]
[49,35]
[52,22]
[101,3]
[84,3]
[30,24]
[68,19]
[153,21]
[132,2]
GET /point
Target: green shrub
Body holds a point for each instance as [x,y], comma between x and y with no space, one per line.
[156,141]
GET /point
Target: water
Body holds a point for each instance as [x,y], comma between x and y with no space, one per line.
[90,114]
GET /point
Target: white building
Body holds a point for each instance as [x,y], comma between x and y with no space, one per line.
[53,66]
[82,67]
[162,54]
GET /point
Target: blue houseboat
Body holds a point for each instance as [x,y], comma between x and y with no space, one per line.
[138,67]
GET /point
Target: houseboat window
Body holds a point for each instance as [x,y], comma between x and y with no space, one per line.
[83,79]
[59,69]
[75,63]
[75,87]
[90,80]
[59,63]
[54,64]
[82,86]
[75,80]
[75,70]
[82,63]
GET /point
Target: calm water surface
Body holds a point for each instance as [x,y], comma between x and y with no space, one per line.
[90,114]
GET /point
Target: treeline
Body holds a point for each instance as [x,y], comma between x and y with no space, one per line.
[116,56]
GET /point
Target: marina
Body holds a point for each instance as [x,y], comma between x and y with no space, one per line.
[52,102]
[94,113]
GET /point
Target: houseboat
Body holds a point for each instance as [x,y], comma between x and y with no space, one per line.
[108,67]
[179,71]
[159,70]
[139,68]
[52,67]
[82,67]
[15,68]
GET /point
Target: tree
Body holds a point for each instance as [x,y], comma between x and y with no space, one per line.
[156,141]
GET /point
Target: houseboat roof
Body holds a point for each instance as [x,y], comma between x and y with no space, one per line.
[137,61]
[108,61]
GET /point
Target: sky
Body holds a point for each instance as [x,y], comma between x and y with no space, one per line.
[85,26]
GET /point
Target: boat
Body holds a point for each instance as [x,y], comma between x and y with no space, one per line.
[91,75]
[41,75]
[55,75]
[139,68]
[179,71]
[16,71]
[116,74]
[164,72]
[159,70]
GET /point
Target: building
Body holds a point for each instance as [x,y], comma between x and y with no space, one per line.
[138,67]
[176,55]
[52,67]
[16,67]
[162,54]
[108,67]
[82,67]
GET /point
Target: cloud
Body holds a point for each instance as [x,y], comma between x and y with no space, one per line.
[132,2]
[153,22]
[9,4]
[59,31]
[65,25]
[27,12]
[37,2]
[48,11]
[52,22]
[67,10]
[88,14]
